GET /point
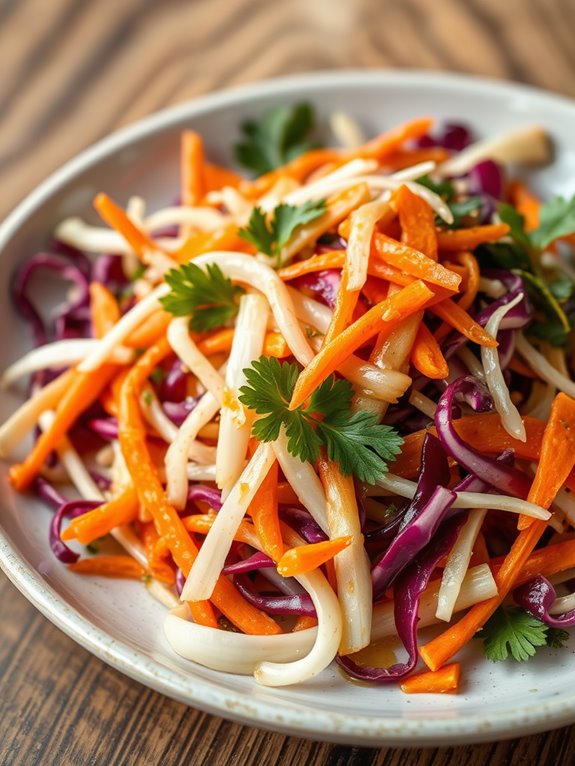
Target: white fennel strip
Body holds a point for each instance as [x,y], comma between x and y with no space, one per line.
[471,362]
[352,566]
[235,425]
[132,319]
[244,268]
[405,488]
[61,353]
[346,130]
[457,565]
[176,460]
[478,585]
[303,479]
[526,145]
[232,652]
[204,218]
[190,355]
[342,178]
[362,225]
[97,239]
[423,403]
[212,555]
[510,418]
[542,367]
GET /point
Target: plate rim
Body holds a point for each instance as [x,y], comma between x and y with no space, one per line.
[298,719]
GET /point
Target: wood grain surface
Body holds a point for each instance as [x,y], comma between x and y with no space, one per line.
[71,71]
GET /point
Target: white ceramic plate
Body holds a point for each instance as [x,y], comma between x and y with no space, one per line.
[118,621]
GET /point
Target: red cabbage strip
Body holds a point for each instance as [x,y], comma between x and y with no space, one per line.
[64,509]
[302,523]
[254,562]
[406,596]
[452,135]
[179,411]
[173,386]
[324,283]
[297,604]
[536,598]
[105,428]
[209,495]
[506,479]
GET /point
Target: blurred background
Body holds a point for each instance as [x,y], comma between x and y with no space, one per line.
[72,71]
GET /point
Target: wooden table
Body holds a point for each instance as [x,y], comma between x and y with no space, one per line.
[72,71]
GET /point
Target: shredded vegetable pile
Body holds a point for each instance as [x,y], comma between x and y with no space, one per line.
[321,408]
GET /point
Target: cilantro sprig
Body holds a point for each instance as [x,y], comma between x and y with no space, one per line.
[513,632]
[460,209]
[282,134]
[355,441]
[209,297]
[269,236]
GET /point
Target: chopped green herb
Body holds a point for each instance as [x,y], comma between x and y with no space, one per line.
[91,548]
[270,236]
[556,219]
[310,333]
[281,135]
[207,296]
[460,209]
[512,631]
[157,375]
[355,441]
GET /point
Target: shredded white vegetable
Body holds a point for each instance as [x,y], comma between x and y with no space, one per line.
[188,352]
[510,418]
[362,225]
[542,367]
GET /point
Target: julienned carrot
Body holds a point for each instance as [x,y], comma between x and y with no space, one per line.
[559,440]
[158,567]
[469,239]
[426,355]
[150,330]
[516,364]
[132,437]
[332,260]
[276,345]
[83,390]
[117,219]
[216,177]
[413,262]
[303,622]
[417,221]
[305,558]
[286,493]
[392,310]
[549,478]
[110,566]
[104,309]
[405,158]
[204,242]
[220,341]
[375,290]
[460,320]
[383,146]
[201,523]
[193,168]
[442,681]
[522,198]
[345,303]
[264,512]
[469,261]
[122,509]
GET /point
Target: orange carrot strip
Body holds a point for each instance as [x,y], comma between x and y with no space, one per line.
[442,681]
[158,568]
[201,524]
[117,219]
[345,303]
[104,309]
[193,168]
[219,342]
[109,566]
[559,438]
[413,262]
[385,145]
[204,242]
[375,290]
[393,309]
[518,365]
[286,493]
[121,510]
[426,355]
[551,474]
[264,512]
[132,436]
[150,330]
[332,260]
[405,158]
[276,345]
[468,239]
[469,261]
[452,313]
[522,198]
[83,390]
[417,220]
[303,622]
[305,558]
[216,177]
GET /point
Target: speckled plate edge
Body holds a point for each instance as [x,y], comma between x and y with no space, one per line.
[299,720]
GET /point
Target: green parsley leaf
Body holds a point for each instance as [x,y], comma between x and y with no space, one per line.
[355,441]
[208,296]
[461,210]
[512,631]
[270,236]
[543,298]
[561,289]
[444,188]
[282,134]
[504,255]
[556,219]
[516,223]
[556,638]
